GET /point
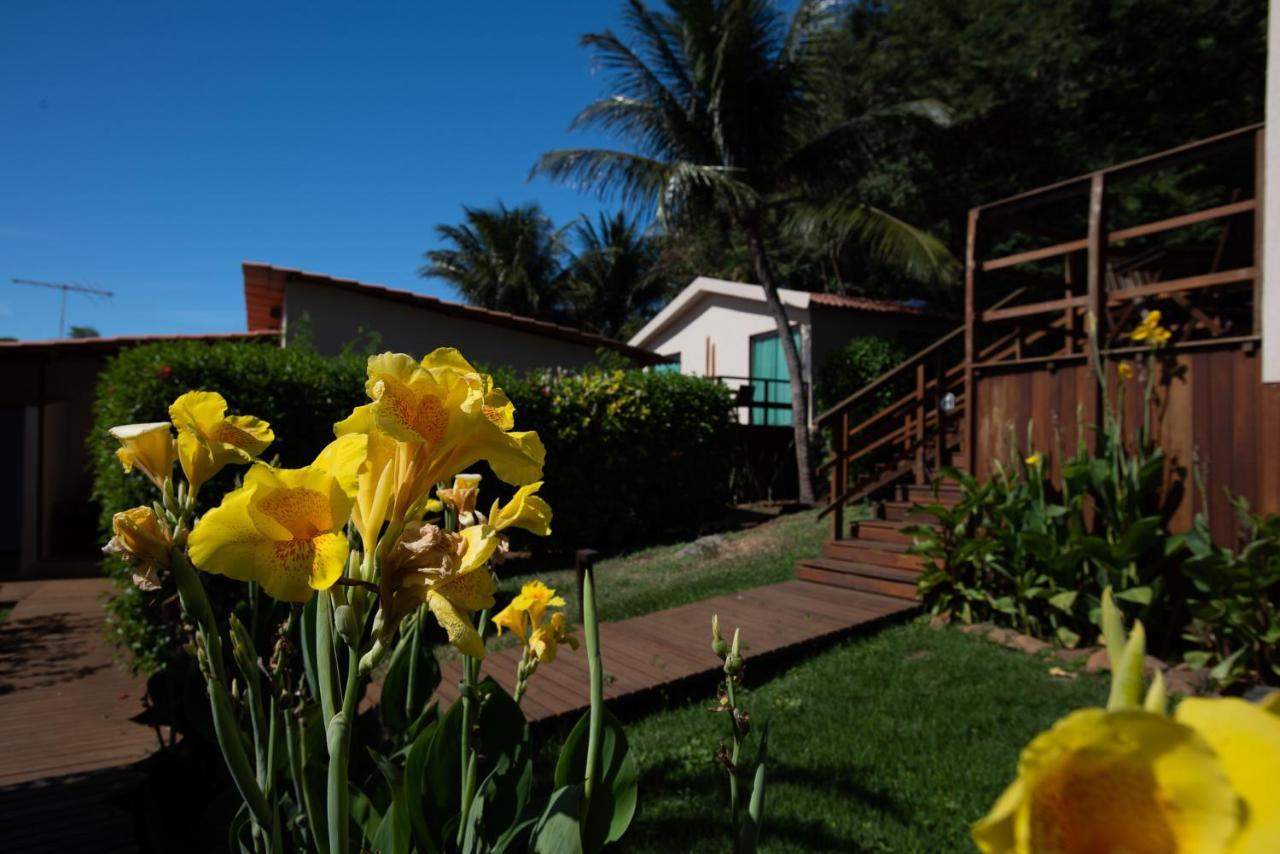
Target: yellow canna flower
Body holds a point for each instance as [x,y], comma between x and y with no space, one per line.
[209,439]
[447,572]
[148,448]
[445,419]
[525,510]
[376,480]
[1124,370]
[1246,737]
[1034,460]
[283,528]
[526,610]
[142,540]
[546,639]
[1150,330]
[1132,781]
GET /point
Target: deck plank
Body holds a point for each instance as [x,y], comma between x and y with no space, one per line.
[646,654]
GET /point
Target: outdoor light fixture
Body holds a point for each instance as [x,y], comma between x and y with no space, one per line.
[948,403]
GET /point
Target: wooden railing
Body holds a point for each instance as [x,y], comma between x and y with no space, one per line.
[1113,295]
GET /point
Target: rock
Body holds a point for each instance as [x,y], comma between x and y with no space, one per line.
[1000,636]
[703,547]
[940,621]
[1071,656]
[976,628]
[1027,644]
[1258,693]
[1152,665]
[1097,662]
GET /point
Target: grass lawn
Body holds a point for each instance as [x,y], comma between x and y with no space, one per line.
[895,742]
[655,578]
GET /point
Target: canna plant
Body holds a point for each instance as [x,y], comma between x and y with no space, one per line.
[379,535]
[744,822]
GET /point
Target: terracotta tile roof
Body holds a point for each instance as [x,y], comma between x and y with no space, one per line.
[867,304]
[119,342]
[264,286]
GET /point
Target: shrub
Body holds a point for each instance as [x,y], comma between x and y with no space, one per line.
[854,365]
[665,436]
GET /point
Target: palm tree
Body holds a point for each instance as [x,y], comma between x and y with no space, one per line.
[719,105]
[614,280]
[509,259]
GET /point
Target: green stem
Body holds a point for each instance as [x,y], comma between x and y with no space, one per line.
[339,738]
[231,743]
[737,748]
[591,629]
[466,689]
[325,675]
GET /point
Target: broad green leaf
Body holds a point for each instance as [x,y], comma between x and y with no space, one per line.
[415,769]
[1068,638]
[1064,601]
[392,833]
[411,679]
[1140,595]
[613,804]
[558,831]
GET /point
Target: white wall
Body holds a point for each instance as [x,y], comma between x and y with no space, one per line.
[729,322]
[1271,212]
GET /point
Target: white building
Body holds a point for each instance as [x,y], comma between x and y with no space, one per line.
[724,329]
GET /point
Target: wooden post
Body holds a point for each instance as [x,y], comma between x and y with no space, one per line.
[1095,278]
[940,438]
[1259,196]
[840,479]
[968,446]
[920,423]
[1069,314]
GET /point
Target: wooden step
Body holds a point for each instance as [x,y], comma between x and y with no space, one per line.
[883,530]
[898,583]
[947,494]
[900,511]
[875,552]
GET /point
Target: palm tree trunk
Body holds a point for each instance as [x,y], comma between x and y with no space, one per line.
[799,403]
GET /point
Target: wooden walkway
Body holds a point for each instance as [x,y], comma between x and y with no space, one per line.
[665,649]
[65,727]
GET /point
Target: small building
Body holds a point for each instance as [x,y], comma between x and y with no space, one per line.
[48,521]
[335,312]
[725,330]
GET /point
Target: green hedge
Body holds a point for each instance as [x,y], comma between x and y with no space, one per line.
[630,454]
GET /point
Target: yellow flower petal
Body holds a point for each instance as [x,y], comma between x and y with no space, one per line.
[470,591]
[1128,781]
[482,541]
[208,439]
[524,510]
[148,447]
[1246,738]
[457,626]
[512,619]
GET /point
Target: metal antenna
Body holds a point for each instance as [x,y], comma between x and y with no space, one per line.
[64,287]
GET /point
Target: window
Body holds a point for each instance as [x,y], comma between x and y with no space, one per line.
[769,381]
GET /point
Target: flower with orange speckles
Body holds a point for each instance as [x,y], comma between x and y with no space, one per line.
[209,439]
[283,528]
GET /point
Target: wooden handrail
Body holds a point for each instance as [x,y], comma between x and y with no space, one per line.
[910,362]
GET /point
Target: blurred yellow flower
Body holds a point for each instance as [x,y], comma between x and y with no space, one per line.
[1150,330]
[526,610]
[1246,738]
[147,447]
[283,528]
[143,541]
[462,497]
[1124,370]
[209,439]
[525,510]
[1098,781]
[1034,460]
[547,638]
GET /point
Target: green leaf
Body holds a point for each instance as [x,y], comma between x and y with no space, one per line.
[1064,601]
[412,677]
[614,802]
[558,831]
[415,765]
[1140,595]
[392,833]
[1068,638]
[1222,672]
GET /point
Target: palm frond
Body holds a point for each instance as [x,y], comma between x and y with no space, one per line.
[881,235]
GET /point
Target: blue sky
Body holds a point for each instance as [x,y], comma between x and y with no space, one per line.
[149,148]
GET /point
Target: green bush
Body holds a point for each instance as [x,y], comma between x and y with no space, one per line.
[630,454]
[854,365]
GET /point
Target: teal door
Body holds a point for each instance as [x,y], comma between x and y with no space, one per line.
[769,380]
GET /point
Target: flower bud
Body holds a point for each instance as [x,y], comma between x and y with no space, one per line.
[733,665]
[347,626]
[718,645]
[143,541]
[147,447]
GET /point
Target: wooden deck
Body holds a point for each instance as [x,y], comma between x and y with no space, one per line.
[65,728]
[663,650]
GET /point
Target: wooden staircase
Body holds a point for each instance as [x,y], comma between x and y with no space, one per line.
[874,557]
